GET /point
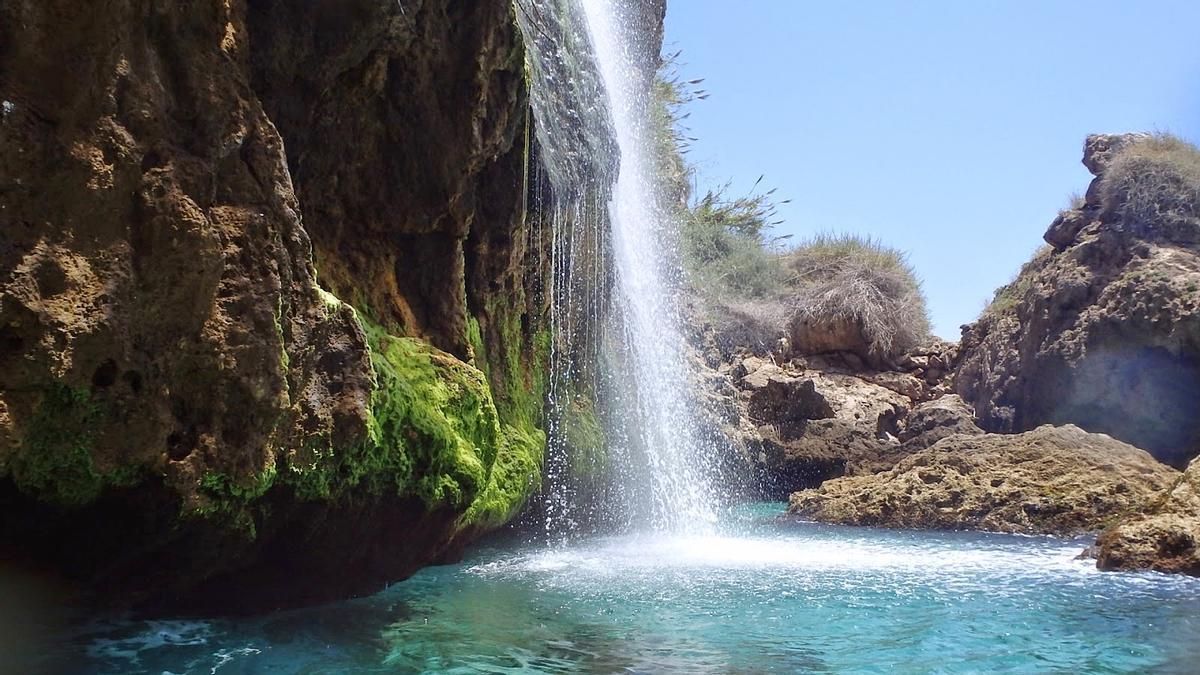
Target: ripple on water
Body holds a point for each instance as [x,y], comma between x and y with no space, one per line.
[756,597]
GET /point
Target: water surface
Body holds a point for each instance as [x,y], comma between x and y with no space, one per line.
[758,597]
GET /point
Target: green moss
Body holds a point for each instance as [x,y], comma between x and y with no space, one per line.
[515,475]
[432,433]
[515,365]
[232,501]
[55,462]
[584,438]
[437,413]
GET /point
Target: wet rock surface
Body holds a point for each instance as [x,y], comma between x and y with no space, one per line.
[186,411]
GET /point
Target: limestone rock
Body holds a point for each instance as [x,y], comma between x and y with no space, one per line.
[1099,149]
[1165,537]
[812,425]
[1052,480]
[184,410]
[934,420]
[1102,331]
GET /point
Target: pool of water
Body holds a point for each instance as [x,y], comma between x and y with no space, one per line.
[758,596]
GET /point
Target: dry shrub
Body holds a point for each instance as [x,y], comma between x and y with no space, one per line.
[1154,187]
[846,278]
[748,323]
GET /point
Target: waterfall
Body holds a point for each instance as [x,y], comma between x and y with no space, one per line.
[613,306]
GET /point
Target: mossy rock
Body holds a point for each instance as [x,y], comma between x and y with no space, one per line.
[53,460]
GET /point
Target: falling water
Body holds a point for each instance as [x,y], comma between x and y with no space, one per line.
[591,68]
[643,252]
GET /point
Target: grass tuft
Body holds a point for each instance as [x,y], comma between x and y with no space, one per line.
[1155,185]
[848,278]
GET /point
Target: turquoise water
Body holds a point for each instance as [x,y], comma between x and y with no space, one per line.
[758,597]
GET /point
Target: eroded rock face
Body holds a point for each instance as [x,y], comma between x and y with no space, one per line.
[934,420]
[1165,537]
[1052,480]
[1102,330]
[401,127]
[803,424]
[183,410]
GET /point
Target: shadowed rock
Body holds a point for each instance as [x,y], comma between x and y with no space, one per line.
[1103,329]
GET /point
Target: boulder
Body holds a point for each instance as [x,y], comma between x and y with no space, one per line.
[1052,480]
[1165,537]
[1100,149]
[934,420]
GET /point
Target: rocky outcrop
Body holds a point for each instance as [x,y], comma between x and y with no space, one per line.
[797,422]
[1164,537]
[1052,480]
[1102,329]
[810,425]
[265,314]
[934,420]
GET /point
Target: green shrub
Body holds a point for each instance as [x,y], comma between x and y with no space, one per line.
[724,252]
[667,134]
[1008,295]
[1155,184]
[753,289]
[840,278]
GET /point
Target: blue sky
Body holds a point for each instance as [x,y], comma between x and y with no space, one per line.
[951,130]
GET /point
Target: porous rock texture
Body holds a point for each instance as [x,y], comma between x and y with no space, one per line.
[1051,480]
[1101,329]
[1164,537]
[186,415]
[793,422]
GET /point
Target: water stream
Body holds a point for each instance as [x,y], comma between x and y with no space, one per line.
[590,97]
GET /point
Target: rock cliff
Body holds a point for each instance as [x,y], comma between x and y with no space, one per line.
[269,319]
[795,422]
[1102,328]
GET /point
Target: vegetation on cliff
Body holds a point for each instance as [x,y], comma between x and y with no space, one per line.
[856,280]
[761,289]
[1099,327]
[1155,183]
[176,392]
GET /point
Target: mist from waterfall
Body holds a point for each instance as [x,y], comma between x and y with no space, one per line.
[614,320]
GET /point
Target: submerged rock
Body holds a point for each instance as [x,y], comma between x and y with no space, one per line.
[1165,537]
[1052,480]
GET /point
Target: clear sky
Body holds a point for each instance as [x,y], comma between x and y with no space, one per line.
[952,130]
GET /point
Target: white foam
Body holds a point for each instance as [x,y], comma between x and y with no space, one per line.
[648,553]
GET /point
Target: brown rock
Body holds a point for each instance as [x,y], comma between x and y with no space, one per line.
[1103,333]
[164,345]
[810,336]
[1099,149]
[1055,480]
[1165,537]
[813,425]
[934,420]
